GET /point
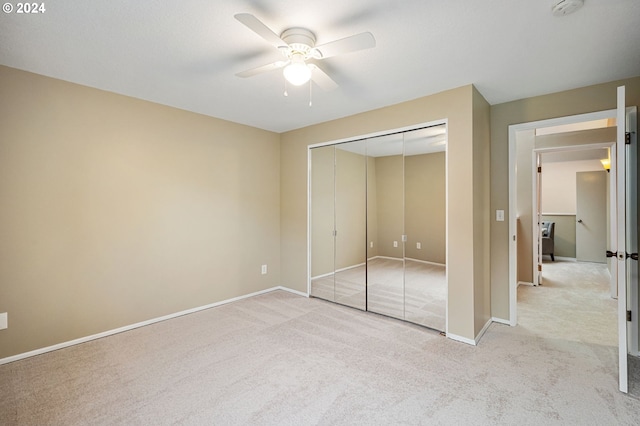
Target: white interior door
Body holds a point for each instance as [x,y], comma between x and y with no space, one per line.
[538,219]
[591,216]
[633,295]
[621,242]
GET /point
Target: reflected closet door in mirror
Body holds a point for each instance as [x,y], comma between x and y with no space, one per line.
[322,226]
[425,226]
[385,226]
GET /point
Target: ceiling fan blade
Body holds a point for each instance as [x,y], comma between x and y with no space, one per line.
[345,45]
[262,69]
[322,79]
[256,25]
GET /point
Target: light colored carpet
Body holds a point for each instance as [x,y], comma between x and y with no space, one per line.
[413,291]
[634,376]
[574,304]
[282,359]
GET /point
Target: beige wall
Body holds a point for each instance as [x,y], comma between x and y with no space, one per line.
[116,210]
[558,193]
[322,210]
[481,213]
[417,182]
[372,214]
[578,101]
[338,201]
[425,207]
[564,241]
[466,272]
[524,209]
[526,142]
[351,209]
[559,196]
[390,205]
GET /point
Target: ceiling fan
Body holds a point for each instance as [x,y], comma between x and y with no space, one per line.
[297,45]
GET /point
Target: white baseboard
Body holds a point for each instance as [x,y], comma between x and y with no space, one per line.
[484,330]
[461,339]
[501,321]
[323,275]
[475,341]
[140,324]
[425,261]
[566,259]
[525,283]
[386,257]
[336,271]
[290,290]
[407,258]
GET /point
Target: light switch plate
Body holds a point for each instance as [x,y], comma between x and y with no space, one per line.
[499,215]
[3,320]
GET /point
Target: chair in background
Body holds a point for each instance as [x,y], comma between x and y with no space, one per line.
[548,231]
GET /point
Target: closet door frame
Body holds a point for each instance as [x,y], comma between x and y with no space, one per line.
[368,136]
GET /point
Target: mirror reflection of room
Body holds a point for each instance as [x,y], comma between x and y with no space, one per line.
[338,234]
[378,225]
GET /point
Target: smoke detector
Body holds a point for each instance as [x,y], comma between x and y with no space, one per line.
[565,7]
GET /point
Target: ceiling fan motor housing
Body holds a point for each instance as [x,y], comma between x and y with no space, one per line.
[300,41]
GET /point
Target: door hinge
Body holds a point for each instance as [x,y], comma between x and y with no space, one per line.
[335,233]
[627,138]
[539,267]
[612,253]
[633,256]
[629,316]
[539,169]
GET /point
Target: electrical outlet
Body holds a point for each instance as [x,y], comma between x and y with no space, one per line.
[4,321]
[395,244]
[264,269]
[419,246]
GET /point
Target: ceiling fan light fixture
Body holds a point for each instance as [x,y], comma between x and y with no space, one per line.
[297,72]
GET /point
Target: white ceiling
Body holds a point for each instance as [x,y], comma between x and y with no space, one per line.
[186,53]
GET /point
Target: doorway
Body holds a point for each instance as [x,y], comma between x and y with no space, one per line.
[573,199]
[625,220]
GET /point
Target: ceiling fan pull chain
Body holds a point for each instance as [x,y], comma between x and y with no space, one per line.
[310,93]
[285,87]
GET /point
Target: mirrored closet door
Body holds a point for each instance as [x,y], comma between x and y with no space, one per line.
[350,229]
[338,231]
[322,220]
[378,225]
[385,221]
[425,227]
